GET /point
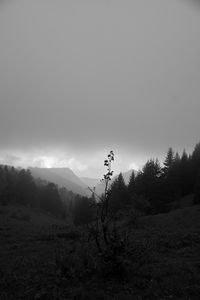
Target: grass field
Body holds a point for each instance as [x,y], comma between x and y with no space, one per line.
[44,258]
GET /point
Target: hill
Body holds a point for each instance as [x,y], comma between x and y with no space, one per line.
[91,182]
[39,260]
[63,177]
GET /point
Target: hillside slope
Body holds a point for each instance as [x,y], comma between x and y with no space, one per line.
[38,258]
[63,177]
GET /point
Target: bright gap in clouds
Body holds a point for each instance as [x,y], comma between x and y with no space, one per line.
[82,165]
[48,160]
[133,166]
[54,162]
[59,162]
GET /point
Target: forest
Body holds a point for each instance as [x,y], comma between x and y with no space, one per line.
[154,189]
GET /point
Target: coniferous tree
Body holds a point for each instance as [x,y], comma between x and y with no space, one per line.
[168,163]
[119,194]
[167,174]
[174,178]
[139,184]
[25,188]
[195,164]
[151,177]
[196,156]
[3,186]
[184,174]
[131,184]
[149,186]
[196,198]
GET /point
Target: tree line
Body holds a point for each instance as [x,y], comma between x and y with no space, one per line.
[152,190]
[157,185]
[17,186]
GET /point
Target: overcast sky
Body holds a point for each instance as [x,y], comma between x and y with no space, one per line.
[81,77]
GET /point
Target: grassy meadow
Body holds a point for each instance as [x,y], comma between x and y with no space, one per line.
[42,257]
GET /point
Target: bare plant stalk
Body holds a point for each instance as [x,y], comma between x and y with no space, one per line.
[100,228]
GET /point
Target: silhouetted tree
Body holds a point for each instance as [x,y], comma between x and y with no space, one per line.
[139,184]
[195,164]
[196,198]
[131,184]
[25,188]
[151,177]
[3,186]
[171,175]
[168,163]
[119,194]
[185,185]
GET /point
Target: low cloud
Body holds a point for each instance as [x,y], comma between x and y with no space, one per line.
[43,161]
[133,166]
[10,159]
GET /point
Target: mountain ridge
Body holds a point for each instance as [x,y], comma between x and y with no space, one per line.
[63,177]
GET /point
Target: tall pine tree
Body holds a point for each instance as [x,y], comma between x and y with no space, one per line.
[119,194]
[131,184]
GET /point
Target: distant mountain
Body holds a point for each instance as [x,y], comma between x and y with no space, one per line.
[91,182]
[63,177]
[126,175]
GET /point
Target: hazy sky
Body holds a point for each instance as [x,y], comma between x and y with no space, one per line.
[79,78]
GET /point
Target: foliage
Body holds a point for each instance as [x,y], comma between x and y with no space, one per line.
[159,260]
[111,244]
[102,260]
[131,184]
[168,163]
[197,190]
[160,186]
[17,186]
[119,196]
[99,230]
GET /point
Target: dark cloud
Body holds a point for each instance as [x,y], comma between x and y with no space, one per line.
[5,2]
[195,3]
[87,78]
